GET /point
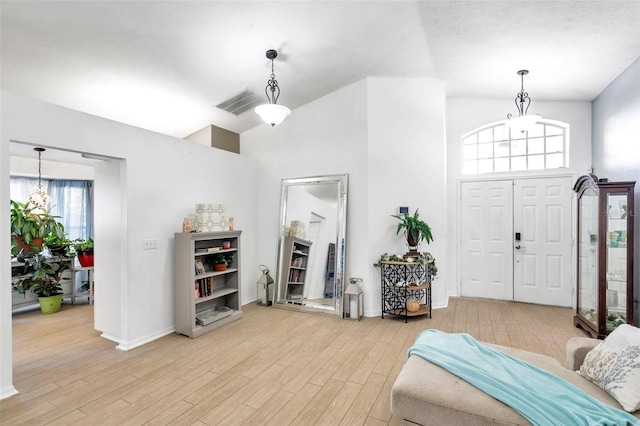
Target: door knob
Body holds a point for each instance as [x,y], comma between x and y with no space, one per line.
[518,247]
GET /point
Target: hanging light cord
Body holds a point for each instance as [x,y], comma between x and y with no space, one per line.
[39,197]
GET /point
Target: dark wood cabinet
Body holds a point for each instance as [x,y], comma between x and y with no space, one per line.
[605,255]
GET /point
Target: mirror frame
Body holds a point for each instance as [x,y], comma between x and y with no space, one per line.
[342,181]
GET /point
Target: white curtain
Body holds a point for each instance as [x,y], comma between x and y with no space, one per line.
[71,200]
[22,187]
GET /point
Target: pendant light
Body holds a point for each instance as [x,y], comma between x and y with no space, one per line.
[523,122]
[271,113]
[39,198]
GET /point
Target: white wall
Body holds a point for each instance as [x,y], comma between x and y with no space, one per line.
[6,335]
[465,115]
[616,151]
[324,137]
[162,178]
[21,166]
[406,167]
[388,134]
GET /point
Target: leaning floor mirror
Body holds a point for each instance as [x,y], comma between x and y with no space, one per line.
[311,252]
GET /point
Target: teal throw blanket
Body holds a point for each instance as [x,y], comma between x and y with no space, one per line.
[539,396]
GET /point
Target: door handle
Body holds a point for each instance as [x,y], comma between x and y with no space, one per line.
[518,247]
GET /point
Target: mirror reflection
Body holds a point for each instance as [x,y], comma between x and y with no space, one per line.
[312,241]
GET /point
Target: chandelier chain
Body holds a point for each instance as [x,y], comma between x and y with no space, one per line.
[272,86]
[522,100]
[40,168]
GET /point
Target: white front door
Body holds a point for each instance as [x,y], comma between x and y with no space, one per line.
[486,268]
[494,263]
[542,257]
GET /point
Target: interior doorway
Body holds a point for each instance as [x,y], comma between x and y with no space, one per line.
[516,239]
[110,231]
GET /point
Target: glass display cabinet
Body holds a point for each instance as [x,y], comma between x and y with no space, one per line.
[605,255]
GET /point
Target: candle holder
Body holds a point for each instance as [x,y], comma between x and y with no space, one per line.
[354,297]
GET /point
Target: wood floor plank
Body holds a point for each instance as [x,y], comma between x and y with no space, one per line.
[167,416]
[277,401]
[338,408]
[96,414]
[361,407]
[319,403]
[364,369]
[381,408]
[295,404]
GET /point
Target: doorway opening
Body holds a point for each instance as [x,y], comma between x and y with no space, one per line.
[109,177]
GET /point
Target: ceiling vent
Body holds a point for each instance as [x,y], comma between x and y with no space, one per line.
[241,102]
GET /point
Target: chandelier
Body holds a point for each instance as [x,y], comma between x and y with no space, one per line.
[523,122]
[271,113]
[39,198]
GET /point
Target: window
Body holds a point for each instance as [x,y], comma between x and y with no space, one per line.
[71,200]
[493,149]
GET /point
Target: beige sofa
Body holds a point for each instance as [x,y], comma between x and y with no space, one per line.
[426,394]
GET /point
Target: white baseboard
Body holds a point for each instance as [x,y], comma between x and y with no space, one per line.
[8,391]
[110,337]
[125,346]
[446,302]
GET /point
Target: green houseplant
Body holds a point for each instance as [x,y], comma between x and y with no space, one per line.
[29,226]
[84,250]
[44,280]
[221,261]
[415,230]
[58,246]
[425,258]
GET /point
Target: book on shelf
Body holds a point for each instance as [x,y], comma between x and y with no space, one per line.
[199,267]
[201,250]
[204,287]
[294,275]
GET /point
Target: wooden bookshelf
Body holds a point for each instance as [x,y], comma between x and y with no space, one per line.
[206,299]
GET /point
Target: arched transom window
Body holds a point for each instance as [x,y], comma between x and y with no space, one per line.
[494,148]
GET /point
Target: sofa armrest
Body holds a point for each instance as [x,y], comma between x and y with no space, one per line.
[577,350]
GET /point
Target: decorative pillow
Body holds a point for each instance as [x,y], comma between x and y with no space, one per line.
[614,365]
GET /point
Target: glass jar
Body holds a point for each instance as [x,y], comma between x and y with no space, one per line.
[413,304]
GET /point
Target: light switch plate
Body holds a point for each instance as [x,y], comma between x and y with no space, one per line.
[150,244]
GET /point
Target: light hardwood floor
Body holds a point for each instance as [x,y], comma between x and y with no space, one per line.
[273,367]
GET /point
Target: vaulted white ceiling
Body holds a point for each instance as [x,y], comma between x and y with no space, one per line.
[163,65]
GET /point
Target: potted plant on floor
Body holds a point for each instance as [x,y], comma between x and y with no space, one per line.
[415,230]
[84,250]
[44,280]
[29,226]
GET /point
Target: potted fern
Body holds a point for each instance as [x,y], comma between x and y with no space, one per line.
[415,231]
